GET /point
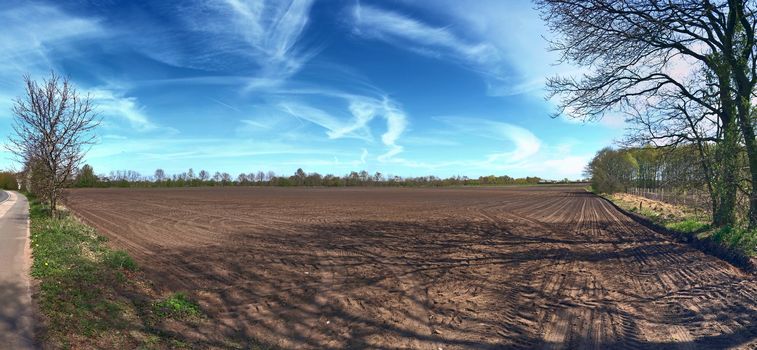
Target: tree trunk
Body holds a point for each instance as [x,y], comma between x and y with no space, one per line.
[725,214]
[751,149]
[53,203]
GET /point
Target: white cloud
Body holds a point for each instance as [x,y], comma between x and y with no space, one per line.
[524,152]
[362,110]
[255,124]
[363,156]
[273,28]
[433,41]
[115,104]
[525,143]
[260,38]
[502,41]
[354,128]
[29,35]
[31,31]
[395,28]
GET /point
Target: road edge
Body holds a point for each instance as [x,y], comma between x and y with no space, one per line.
[706,245]
[38,325]
[31,282]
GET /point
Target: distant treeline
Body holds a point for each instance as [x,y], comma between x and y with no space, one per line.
[679,173]
[86,177]
[618,170]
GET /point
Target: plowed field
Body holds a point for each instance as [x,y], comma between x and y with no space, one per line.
[473,268]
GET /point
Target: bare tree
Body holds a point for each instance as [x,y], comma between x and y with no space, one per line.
[53,128]
[225,179]
[204,175]
[634,50]
[160,175]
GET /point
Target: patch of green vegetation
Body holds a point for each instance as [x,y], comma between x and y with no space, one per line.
[119,259]
[737,238]
[688,226]
[86,298]
[74,280]
[178,305]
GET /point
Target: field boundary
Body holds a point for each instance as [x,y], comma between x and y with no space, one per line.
[707,245]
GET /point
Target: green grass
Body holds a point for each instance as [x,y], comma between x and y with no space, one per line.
[119,259]
[688,226]
[645,212]
[90,296]
[737,238]
[178,305]
[70,263]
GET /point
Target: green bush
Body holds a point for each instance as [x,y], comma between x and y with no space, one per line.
[8,181]
[688,226]
[119,259]
[177,305]
[738,238]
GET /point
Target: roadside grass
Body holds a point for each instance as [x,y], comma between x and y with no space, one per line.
[91,296]
[737,238]
[688,226]
[674,217]
[683,220]
[74,282]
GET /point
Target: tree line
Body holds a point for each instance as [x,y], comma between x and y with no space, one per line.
[86,177]
[677,171]
[617,170]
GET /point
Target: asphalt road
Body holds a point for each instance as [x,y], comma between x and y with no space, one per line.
[16,318]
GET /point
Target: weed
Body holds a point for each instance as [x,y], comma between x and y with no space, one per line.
[688,226]
[738,238]
[178,305]
[119,259]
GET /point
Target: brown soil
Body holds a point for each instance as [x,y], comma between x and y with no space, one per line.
[538,267]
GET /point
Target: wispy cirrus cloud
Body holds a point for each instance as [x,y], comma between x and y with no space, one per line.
[440,42]
[502,41]
[114,105]
[273,29]
[29,46]
[260,40]
[111,104]
[25,44]
[521,150]
[356,124]
[398,29]
[525,143]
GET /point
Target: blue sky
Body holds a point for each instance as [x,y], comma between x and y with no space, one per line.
[439,87]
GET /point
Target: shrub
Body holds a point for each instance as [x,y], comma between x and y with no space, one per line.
[119,259]
[738,238]
[688,226]
[177,305]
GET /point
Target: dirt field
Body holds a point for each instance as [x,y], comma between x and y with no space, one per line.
[474,268]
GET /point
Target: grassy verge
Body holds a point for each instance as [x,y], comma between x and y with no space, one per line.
[737,238]
[91,296]
[674,217]
[684,220]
